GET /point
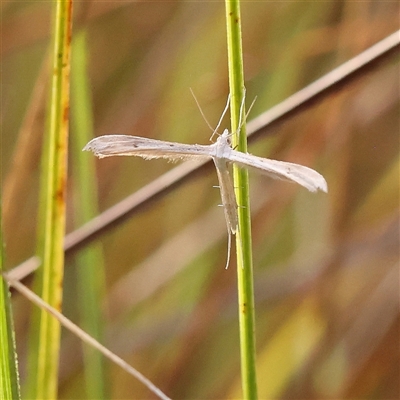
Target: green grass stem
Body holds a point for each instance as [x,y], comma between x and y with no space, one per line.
[45,339]
[241,182]
[9,382]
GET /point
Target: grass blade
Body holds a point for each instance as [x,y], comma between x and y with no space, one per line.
[9,380]
[45,338]
[241,182]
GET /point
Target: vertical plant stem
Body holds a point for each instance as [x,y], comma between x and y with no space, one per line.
[45,340]
[9,380]
[243,237]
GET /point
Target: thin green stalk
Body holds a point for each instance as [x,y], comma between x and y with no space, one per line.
[45,333]
[9,382]
[241,182]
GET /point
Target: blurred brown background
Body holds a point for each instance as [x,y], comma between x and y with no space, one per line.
[326,266]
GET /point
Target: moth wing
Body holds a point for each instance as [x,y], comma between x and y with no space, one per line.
[300,174]
[125,145]
[228,196]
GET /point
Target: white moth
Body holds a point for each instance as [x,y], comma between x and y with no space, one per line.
[222,154]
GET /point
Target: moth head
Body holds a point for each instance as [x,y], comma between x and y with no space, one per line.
[227,136]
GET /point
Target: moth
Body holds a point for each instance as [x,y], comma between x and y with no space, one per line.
[222,154]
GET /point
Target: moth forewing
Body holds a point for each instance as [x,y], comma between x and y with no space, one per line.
[125,145]
[304,176]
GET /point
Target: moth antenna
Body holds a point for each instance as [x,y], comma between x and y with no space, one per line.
[251,106]
[241,112]
[222,116]
[241,123]
[214,131]
[201,111]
